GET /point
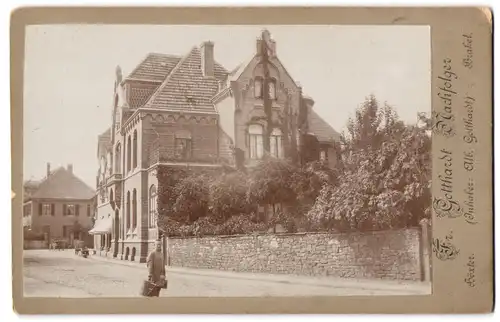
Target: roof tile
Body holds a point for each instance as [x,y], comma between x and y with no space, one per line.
[321,129]
[186,88]
[155,67]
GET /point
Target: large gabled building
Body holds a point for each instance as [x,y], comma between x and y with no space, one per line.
[189,110]
[60,206]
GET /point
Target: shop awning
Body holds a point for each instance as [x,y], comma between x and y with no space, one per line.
[103,226]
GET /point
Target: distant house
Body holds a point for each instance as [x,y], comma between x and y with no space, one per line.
[60,206]
[174,111]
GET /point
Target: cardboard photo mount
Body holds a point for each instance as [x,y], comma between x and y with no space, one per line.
[462,257]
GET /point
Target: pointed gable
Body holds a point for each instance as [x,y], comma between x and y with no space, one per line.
[186,89]
[63,184]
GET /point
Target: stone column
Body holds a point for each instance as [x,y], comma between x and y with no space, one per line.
[425,252]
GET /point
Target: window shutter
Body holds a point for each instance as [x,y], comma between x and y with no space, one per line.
[52,209]
[40,209]
[64,209]
[77,210]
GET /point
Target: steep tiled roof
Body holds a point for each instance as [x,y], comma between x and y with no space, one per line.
[62,184]
[155,67]
[140,95]
[321,129]
[186,88]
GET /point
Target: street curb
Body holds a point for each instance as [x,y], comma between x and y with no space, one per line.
[405,287]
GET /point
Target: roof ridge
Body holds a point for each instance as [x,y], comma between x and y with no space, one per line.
[167,79]
[59,174]
[137,67]
[165,55]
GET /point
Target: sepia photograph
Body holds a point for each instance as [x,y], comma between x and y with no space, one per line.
[227,161]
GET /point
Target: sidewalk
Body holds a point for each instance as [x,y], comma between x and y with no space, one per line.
[336,282]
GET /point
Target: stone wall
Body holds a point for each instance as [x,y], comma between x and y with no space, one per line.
[35,244]
[392,255]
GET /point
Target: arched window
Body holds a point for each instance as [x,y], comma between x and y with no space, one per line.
[129,151]
[134,209]
[111,195]
[258,84]
[152,206]
[127,209]
[276,146]
[272,89]
[255,133]
[134,151]
[118,159]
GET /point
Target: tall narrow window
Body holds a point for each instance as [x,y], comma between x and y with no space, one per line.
[134,209]
[88,210]
[77,210]
[276,141]
[323,156]
[255,132]
[128,209]
[118,159]
[272,89]
[183,145]
[152,206]
[129,152]
[258,84]
[134,150]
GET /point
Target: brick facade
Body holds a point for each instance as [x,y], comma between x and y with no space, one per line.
[175,111]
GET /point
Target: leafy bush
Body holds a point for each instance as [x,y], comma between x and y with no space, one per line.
[385,179]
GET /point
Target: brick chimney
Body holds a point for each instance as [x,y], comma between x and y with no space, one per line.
[48,169]
[207,58]
[266,36]
[70,168]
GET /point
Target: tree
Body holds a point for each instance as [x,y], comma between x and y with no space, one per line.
[270,183]
[168,179]
[192,198]
[385,175]
[228,196]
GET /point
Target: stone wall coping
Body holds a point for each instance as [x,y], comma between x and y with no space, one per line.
[300,234]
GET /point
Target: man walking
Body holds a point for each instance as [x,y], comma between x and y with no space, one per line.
[156,269]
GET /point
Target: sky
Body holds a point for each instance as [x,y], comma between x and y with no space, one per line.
[70,71]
